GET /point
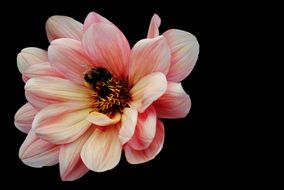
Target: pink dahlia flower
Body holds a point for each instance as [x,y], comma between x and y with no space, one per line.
[90,96]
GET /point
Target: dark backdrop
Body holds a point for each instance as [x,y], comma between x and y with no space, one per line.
[198,149]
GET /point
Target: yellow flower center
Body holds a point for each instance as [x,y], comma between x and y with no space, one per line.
[111,94]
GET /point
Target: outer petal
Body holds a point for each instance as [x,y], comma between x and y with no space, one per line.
[101,119]
[108,47]
[71,165]
[94,17]
[175,103]
[128,124]
[140,156]
[68,58]
[62,123]
[147,56]
[184,53]
[145,130]
[40,69]
[24,118]
[147,90]
[42,91]
[155,23]
[30,56]
[63,27]
[102,151]
[37,153]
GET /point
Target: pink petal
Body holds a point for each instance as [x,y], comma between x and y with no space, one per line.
[147,90]
[184,53]
[145,130]
[24,118]
[30,56]
[175,103]
[155,23]
[39,102]
[62,123]
[108,47]
[68,58]
[40,69]
[42,91]
[94,17]
[63,27]
[140,156]
[101,119]
[147,56]
[37,153]
[71,165]
[102,151]
[128,124]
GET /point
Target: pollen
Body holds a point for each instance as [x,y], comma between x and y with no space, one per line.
[110,94]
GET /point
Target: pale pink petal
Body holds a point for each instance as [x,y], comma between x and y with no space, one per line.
[24,118]
[101,119]
[37,153]
[174,103]
[63,27]
[68,58]
[70,163]
[147,90]
[140,156]
[145,130]
[42,91]
[40,69]
[108,47]
[39,102]
[184,53]
[102,151]
[94,17]
[30,56]
[62,123]
[147,56]
[155,23]
[128,124]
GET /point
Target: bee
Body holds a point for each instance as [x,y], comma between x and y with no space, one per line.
[98,74]
[97,78]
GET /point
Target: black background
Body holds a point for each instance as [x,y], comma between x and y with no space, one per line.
[199,149]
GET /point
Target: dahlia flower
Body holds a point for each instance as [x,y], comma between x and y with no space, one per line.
[91,97]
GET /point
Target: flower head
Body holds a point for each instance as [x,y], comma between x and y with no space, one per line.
[90,96]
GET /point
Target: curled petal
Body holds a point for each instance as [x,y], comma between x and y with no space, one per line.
[145,130]
[30,56]
[68,58]
[24,118]
[63,27]
[184,53]
[147,90]
[140,156]
[147,56]
[128,124]
[94,17]
[37,153]
[108,47]
[102,151]
[62,123]
[101,119]
[174,103]
[71,165]
[155,23]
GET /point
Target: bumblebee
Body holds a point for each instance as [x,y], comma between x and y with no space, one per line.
[98,74]
[97,78]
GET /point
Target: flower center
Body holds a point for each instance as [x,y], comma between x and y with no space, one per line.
[111,94]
